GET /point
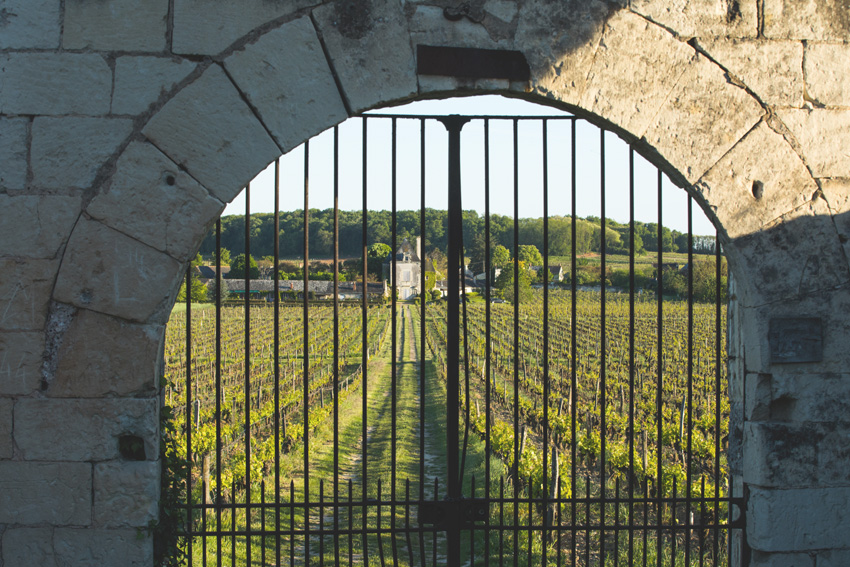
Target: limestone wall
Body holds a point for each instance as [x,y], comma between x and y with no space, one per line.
[125,125]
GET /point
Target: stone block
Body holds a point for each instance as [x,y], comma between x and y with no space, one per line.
[560,40]
[756,182]
[102,356]
[42,223]
[285,76]
[25,547]
[68,152]
[103,547]
[31,24]
[813,398]
[152,200]
[29,83]
[634,70]
[702,18]
[833,558]
[806,19]
[798,520]
[140,81]
[25,290]
[761,559]
[208,129]
[20,362]
[13,153]
[370,51]
[107,271]
[796,255]
[428,26]
[118,25]
[6,445]
[83,430]
[126,494]
[837,195]
[786,455]
[210,26]
[773,70]
[826,73]
[819,132]
[50,493]
[702,118]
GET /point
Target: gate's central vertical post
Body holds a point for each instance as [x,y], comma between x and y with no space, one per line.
[454,124]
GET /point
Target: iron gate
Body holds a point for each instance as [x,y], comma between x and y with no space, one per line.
[576,423]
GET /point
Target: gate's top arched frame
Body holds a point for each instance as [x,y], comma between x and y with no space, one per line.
[127,125]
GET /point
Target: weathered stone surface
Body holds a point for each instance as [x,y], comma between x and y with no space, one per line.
[773,70]
[101,355]
[819,133]
[140,81]
[798,519]
[83,430]
[370,51]
[68,152]
[29,83]
[119,25]
[560,39]
[290,56]
[6,445]
[806,19]
[107,271]
[797,254]
[834,558]
[837,194]
[703,117]
[210,26]
[54,493]
[761,559]
[103,548]
[208,129]
[25,293]
[30,24]
[825,68]
[428,26]
[152,200]
[700,18]
[810,397]
[24,547]
[636,66]
[42,223]
[126,494]
[20,362]
[762,161]
[13,154]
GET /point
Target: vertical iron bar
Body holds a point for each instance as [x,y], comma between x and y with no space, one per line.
[364,433]
[218,284]
[487,344]
[659,484]
[189,412]
[546,274]
[336,346]
[689,460]
[423,298]
[516,340]
[394,338]
[631,353]
[248,373]
[453,125]
[717,377]
[573,338]
[306,352]
[277,487]
[603,399]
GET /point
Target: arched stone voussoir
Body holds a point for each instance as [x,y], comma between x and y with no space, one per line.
[208,129]
[109,272]
[150,199]
[286,78]
[760,179]
[370,50]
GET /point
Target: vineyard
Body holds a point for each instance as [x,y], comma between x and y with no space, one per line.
[621,422]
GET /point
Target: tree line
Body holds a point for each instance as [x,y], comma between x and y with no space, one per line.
[379,230]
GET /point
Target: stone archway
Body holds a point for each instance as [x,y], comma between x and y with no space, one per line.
[121,178]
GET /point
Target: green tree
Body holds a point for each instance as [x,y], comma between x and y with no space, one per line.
[501,257]
[225,257]
[237,268]
[505,284]
[530,255]
[376,256]
[199,292]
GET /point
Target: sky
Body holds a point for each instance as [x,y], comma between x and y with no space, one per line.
[530,164]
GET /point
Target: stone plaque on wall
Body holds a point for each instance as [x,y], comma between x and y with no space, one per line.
[796,339]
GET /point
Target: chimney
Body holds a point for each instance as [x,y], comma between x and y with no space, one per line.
[419,247]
